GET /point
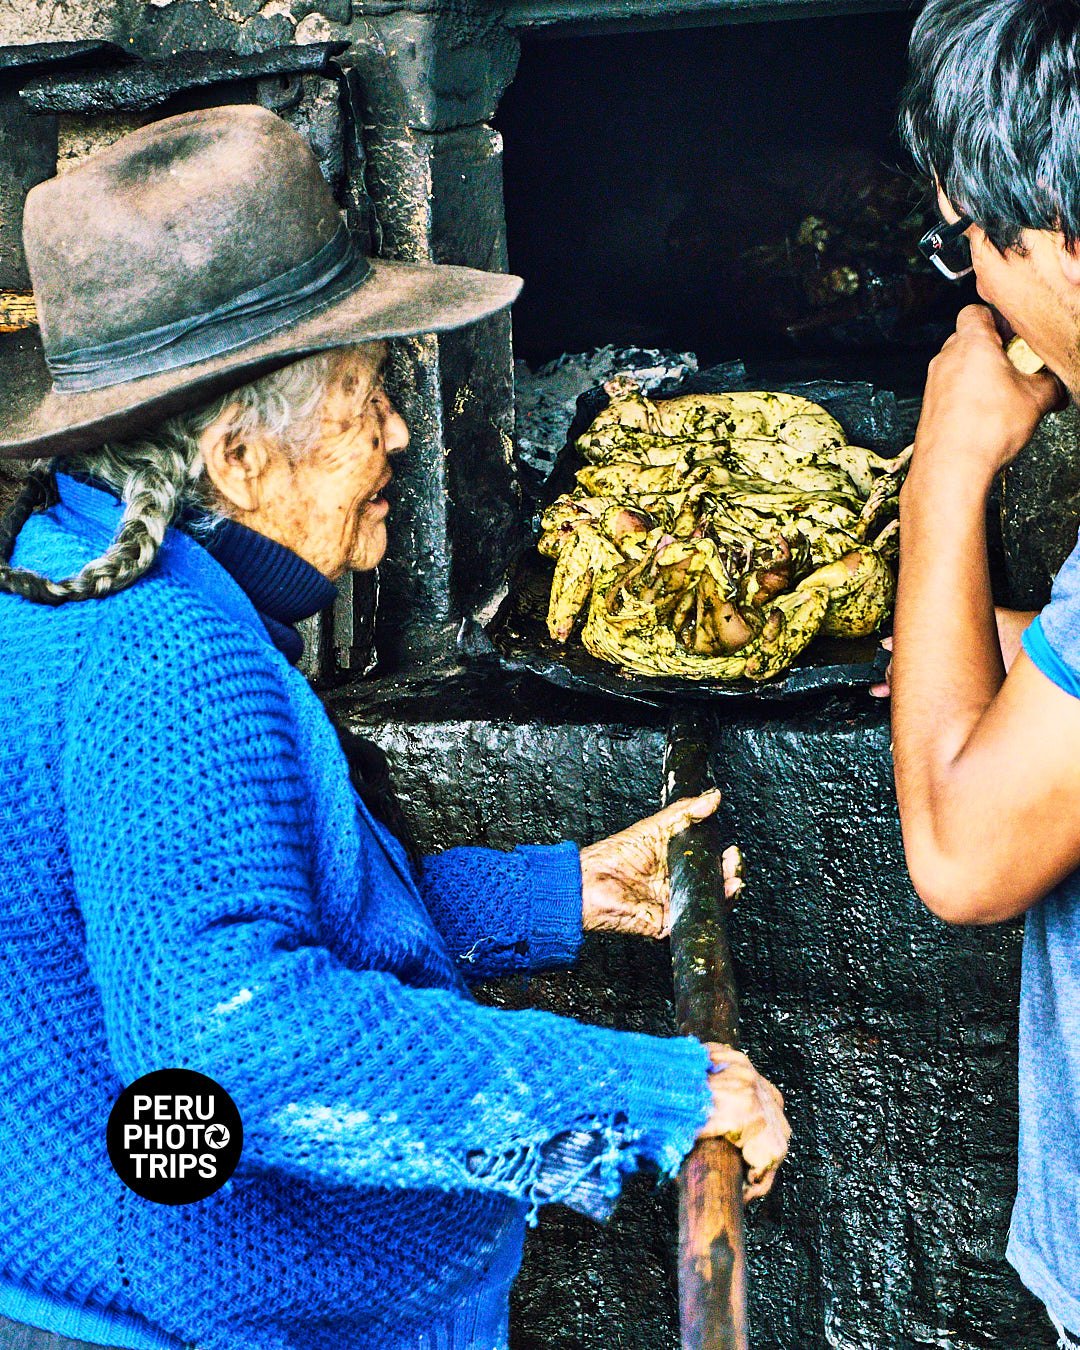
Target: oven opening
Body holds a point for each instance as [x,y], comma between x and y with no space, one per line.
[736,191]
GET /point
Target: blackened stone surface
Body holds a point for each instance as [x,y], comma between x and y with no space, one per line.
[437,197]
[893,1038]
[1040,508]
[337,11]
[27,157]
[29,57]
[486,515]
[466,207]
[157,30]
[148,84]
[486,520]
[193,25]
[414,617]
[432,71]
[415,604]
[399,181]
[499,782]
[585,1286]
[316,111]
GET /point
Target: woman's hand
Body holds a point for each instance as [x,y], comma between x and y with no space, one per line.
[625,886]
[1010,628]
[749,1113]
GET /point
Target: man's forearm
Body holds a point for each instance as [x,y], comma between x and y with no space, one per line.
[947,663]
[979,830]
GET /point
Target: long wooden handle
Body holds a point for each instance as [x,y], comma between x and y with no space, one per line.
[712,1259]
[712,1253]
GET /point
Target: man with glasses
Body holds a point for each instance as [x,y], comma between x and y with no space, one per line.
[988,762]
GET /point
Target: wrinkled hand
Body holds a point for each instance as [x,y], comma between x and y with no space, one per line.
[977,407]
[625,886]
[748,1111]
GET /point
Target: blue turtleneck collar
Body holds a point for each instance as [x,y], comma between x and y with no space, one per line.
[282,586]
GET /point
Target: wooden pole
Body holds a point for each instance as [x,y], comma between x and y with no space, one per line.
[712,1255]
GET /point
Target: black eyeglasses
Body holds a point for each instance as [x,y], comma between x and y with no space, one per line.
[948,248]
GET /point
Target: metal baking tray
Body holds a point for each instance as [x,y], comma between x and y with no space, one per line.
[513,634]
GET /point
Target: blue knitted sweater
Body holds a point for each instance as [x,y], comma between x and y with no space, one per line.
[189,879]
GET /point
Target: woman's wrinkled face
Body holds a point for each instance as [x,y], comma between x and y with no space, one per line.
[334,506]
[327,504]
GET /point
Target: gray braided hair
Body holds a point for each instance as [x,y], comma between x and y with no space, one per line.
[158,474]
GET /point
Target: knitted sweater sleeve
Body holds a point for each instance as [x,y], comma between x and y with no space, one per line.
[504,912]
[192,861]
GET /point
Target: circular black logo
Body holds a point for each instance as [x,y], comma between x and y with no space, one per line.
[174,1136]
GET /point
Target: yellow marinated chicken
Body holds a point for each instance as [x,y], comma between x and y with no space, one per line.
[713,536]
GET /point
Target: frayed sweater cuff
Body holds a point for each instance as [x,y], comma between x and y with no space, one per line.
[554,878]
[668,1093]
[669,1102]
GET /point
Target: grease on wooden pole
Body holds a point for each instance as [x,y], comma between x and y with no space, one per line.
[712,1256]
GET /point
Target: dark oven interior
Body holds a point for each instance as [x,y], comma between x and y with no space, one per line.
[738,191]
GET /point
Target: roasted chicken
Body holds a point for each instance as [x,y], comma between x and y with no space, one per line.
[713,536]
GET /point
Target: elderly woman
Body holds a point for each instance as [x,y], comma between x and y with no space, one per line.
[190,880]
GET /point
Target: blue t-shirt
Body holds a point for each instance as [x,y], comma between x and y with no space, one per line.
[1044,1238]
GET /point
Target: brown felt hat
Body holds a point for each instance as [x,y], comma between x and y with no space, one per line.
[188,258]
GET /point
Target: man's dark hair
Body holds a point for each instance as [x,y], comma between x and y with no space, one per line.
[992,111]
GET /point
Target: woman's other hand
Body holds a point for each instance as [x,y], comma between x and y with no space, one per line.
[1010,628]
[625,886]
[747,1111]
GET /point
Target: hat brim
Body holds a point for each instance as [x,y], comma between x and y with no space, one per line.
[395,300]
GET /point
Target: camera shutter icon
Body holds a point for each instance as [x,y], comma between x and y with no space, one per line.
[216,1136]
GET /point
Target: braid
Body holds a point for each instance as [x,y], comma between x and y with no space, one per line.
[151,496]
[38,493]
